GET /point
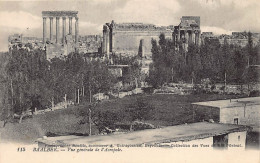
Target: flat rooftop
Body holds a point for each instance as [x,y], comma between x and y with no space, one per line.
[231,102]
[185,132]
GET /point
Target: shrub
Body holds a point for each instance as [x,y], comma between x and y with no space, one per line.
[148,90]
[212,87]
[254,93]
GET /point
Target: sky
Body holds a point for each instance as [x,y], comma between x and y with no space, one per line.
[217,16]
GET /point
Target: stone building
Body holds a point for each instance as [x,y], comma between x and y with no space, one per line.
[187,32]
[211,135]
[89,44]
[129,38]
[243,111]
[239,38]
[236,38]
[90,38]
[21,39]
[15,38]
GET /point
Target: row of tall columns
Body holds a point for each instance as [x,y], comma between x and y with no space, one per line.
[58,29]
[190,36]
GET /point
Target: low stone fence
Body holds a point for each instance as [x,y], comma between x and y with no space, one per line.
[61,105]
[175,88]
[128,93]
[236,89]
[183,88]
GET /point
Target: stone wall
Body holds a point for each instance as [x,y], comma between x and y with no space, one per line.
[249,115]
[61,50]
[58,50]
[128,42]
[126,38]
[237,138]
[237,38]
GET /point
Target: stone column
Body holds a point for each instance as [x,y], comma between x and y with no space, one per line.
[44,30]
[76,29]
[186,43]
[104,39]
[179,34]
[107,42]
[143,47]
[63,29]
[190,37]
[51,28]
[57,29]
[112,41]
[70,25]
[199,39]
[186,36]
[193,36]
[173,38]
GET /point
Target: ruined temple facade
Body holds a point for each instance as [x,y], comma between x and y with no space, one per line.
[187,32]
[135,38]
[131,38]
[236,38]
[63,44]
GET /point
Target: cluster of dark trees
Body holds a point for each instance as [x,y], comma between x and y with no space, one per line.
[31,81]
[131,74]
[211,60]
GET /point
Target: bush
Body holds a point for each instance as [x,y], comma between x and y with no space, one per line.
[212,87]
[148,90]
[254,93]
[197,89]
[222,88]
[141,126]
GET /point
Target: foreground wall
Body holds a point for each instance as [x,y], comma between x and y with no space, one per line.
[235,140]
[242,115]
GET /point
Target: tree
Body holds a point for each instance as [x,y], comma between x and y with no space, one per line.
[5,108]
[18,75]
[163,55]
[239,61]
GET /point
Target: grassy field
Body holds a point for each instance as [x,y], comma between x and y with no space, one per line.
[168,110]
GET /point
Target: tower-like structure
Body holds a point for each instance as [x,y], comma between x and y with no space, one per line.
[187,32]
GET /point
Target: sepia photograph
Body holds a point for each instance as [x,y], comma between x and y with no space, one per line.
[130,81]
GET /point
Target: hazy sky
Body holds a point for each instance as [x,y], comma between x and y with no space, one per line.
[218,16]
